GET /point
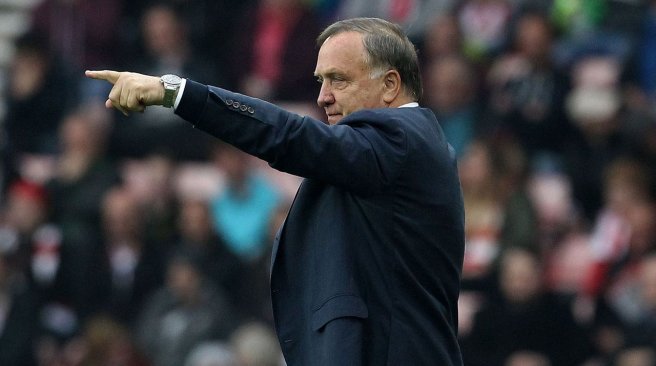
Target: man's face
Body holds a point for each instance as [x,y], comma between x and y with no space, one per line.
[345,77]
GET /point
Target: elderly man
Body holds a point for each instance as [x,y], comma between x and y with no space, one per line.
[366,267]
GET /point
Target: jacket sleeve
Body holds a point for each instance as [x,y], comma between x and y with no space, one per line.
[362,153]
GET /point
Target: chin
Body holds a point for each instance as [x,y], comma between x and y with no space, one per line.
[334,119]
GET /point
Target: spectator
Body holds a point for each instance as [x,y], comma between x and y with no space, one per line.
[185,312]
[18,309]
[443,38]
[594,105]
[243,211]
[206,24]
[577,16]
[614,240]
[108,343]
[218,263]
[484,25]
[450,92]
[497,213]
[38,242]
[550,191]
[83,175]
[624,268]
[41,90]
[483,207]
[619,239]
[640,301]
[158,200]
[594,27]
[526,91]
[527,358]
[524,319]
[274,52]
[82,33]
[637,356]
[562,236]
[211,354]
[167,45]
[132,267]
[168,50]
[256,345]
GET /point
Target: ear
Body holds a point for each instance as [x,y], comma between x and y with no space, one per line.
[392,86]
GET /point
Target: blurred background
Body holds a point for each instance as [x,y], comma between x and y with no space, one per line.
[141,241]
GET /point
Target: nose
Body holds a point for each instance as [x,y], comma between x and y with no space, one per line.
[326,96]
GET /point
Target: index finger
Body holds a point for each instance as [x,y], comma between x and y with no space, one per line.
[108,75]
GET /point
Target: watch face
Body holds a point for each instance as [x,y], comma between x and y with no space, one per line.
[171,79]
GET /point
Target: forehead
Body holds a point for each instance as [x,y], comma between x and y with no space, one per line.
[343,51]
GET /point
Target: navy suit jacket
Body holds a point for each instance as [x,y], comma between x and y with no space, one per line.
[366,269]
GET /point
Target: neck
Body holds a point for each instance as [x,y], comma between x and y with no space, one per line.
[400,101]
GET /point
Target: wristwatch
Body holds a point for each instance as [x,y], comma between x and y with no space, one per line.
[171,85]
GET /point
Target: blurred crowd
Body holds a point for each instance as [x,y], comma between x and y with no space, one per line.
[141,241]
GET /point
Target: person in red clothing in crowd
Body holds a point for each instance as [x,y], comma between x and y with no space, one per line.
[275,51]
[622,235]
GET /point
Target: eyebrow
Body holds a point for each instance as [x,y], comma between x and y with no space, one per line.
[330,73]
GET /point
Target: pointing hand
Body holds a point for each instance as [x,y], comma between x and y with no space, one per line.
[131,92]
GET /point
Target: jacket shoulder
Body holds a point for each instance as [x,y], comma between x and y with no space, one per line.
[406,118]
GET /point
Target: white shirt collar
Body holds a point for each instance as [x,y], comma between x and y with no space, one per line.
[409,105]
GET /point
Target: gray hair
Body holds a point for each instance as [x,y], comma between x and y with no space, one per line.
[387,48]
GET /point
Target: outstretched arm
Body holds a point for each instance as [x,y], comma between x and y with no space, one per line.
[131,92]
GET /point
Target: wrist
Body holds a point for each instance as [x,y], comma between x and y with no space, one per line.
[171,86]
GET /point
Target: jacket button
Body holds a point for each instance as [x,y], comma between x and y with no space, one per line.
[243,108]
[236,104]
[228,102]
[251,110]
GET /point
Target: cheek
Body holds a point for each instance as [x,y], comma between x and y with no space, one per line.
[358,97]
[359,100]
[346,101]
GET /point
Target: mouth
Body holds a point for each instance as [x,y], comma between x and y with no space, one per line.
[333,117]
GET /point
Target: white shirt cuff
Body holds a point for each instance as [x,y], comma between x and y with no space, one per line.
[180,92]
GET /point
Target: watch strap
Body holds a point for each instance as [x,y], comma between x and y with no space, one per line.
[169,96]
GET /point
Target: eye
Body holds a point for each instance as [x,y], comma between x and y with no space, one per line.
[319,80]
[338,79]
[338,82]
